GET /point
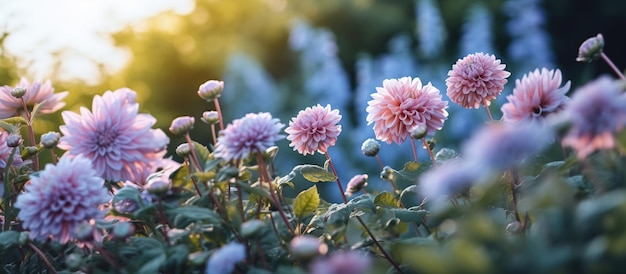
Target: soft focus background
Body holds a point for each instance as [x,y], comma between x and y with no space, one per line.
[280,56]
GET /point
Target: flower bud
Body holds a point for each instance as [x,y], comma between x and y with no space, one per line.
[50,140]
[23,238]
[370,147]
[29,151]
[307,247]
[514,227]
[251,227]
[183,150]
[355,184]
[157,185]
[126,206]
[211,90]
[210,117]
[591,49]
[14,140]
[123,230]
[182,125]
[18,92]
[84,232]
[418,132]
[73,261]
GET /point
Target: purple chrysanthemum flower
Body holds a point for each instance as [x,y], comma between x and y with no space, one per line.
[223,260]
[314,129]
[476,80]
[536,96]
[402,104]
[118,140]
[500,146]
[597,112]
[60,197]
[35,93]
[255,132]
[342,262]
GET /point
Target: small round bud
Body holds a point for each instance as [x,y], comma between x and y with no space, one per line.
[74,261]
[183,150]
[84,232]
[514,227]
[50,140]
[14,140]
[355,184]
[123,230]
[18,92]
[23,238]
[418,132]
[251,227]
[211,90]
[370,147]
[29,151]
[307,247]
[157,185]
[210,117]
[182,125]
[591,49]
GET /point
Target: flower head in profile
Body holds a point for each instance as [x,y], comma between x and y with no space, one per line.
[5,154]
[499,146]
[476,80]
[314,129]
[60,197]
[255,132]
[591,49]
[596,112]
[342,262]
[118,140]
[223,260]
[36,93]
[355,184]
[401,105]
[536,96]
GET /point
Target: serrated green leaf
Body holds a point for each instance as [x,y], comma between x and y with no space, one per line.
[386,199]
[315,173]
[306,202]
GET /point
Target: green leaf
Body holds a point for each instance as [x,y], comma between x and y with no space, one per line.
[413,214]
[9,127]
[263,192]
[195,213]
[36,109]
[315,173]
[445,154]
[306,202]
[407,176]
[386,199]
[8,239]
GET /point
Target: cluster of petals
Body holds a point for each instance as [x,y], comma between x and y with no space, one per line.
[536,96]
[403,104]
[499,146]
[119,140]
[36,93]
[596,112]
[253,133]
[476,80]
[61,197]
[314,129]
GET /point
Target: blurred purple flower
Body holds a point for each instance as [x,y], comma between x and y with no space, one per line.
[35,93]
[314,129]
[499,146]
[255,132]
[60,197]
[537,95]
[401,104]
[5,153]
[356,184]
[223,260]
[476,80]
[448,179]
[115,137]
[597,112]
[342,262]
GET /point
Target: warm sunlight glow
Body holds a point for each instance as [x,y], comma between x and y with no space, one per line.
[76,30]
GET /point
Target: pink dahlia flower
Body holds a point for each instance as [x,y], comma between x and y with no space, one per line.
[255,132]
[536,96]
[60,197]
[597,112]
[401,105]
[35,93]
[118,140]
[314,129]
[476,80]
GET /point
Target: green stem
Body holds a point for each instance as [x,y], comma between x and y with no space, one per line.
[332,168]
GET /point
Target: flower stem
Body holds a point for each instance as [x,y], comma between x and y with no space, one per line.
[488,112]
[380,247]
[615,69]
[514,185]
[414,151]
[213,134]
[332,168]
[264,176]
[216,101]
[430,152]
[43,257]
[380,162]
[194,161]
[31,134]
